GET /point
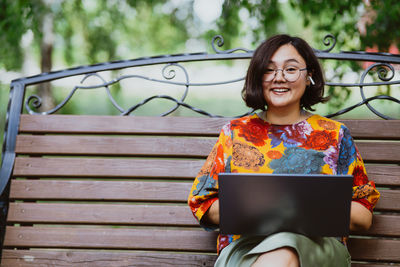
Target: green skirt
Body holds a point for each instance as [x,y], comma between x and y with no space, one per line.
[321,252]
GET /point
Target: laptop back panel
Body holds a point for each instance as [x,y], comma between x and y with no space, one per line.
[262,204]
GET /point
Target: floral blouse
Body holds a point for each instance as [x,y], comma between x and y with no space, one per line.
[316,145]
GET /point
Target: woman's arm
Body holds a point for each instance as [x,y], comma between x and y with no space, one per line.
[212,214]
[360,217]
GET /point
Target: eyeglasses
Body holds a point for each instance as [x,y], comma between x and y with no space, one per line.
[290,73]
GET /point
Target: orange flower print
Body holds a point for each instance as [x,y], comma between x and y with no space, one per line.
[209,162]
[327,125]
[359,175]
[273,154]
[320,140]
[218,164]
[244,155]
[253,130]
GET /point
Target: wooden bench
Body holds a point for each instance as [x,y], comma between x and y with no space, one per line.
[112,191]
[84,190]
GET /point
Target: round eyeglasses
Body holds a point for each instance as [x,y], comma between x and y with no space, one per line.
[290,73]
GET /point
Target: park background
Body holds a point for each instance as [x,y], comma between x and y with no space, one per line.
[47,35]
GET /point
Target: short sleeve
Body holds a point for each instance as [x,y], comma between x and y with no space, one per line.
[204,190]
[350,162]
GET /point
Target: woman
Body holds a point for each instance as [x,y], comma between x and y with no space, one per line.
[284,80]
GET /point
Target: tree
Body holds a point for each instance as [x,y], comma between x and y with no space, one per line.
[340,17]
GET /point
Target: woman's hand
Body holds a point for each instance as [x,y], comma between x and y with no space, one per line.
[212,215]
[360,217]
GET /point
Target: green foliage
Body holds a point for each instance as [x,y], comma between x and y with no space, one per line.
[16,17]
[384,30]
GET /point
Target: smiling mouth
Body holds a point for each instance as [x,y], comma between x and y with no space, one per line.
[280,90]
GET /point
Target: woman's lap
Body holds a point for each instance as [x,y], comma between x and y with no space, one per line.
[323,252]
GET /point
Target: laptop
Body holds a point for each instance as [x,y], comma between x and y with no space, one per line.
[261,204]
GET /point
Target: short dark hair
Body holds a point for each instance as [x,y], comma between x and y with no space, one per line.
[252,92]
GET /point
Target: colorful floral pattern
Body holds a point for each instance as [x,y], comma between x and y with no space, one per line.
[251,145]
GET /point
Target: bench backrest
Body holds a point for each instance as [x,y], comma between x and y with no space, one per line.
[111,190]
[119,185]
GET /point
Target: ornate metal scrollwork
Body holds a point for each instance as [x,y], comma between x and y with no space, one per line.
[382,73]
[172,63]
[220,42]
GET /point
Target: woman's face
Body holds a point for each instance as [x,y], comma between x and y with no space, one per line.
[279,92]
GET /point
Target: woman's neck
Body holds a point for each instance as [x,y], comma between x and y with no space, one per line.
[284,116]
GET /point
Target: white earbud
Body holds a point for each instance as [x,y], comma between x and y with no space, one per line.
[311,80]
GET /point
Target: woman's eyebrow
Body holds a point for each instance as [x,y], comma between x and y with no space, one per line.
[286,61]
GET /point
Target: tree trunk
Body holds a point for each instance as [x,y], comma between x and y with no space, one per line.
[46,49]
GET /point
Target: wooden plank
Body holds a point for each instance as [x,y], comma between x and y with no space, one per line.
[381,174]
[186,147]
[379,151]
[384,175]
[121,124]
[34,258]
[383,225]
[385,250]
[367,129]
[374,129]
[116,214]
[114,238]
[100,190]
[99,167]
[117,146]
[132,191]
[389,200]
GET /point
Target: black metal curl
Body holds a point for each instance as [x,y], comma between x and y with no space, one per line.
[220,42]
[365,102]
[179,103]
[381,74]
[115,104]
[38,101]
[327,42]
[172,74]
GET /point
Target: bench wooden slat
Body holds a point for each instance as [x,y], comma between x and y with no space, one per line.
[174,215]
[122,146]
[92,167]
[389,200]
[34,258]
[53,237]
[381,129]
[374,249]
[114,238]
[379,151]
[100,190]
[383,225]
[121,125]
[384,175]
[132,191]
[99,167]
[187,147]
[374,129]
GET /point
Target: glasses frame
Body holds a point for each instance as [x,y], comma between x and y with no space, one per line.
[283,75]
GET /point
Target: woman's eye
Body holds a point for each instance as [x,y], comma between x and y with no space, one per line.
[269,71]
[291,69]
